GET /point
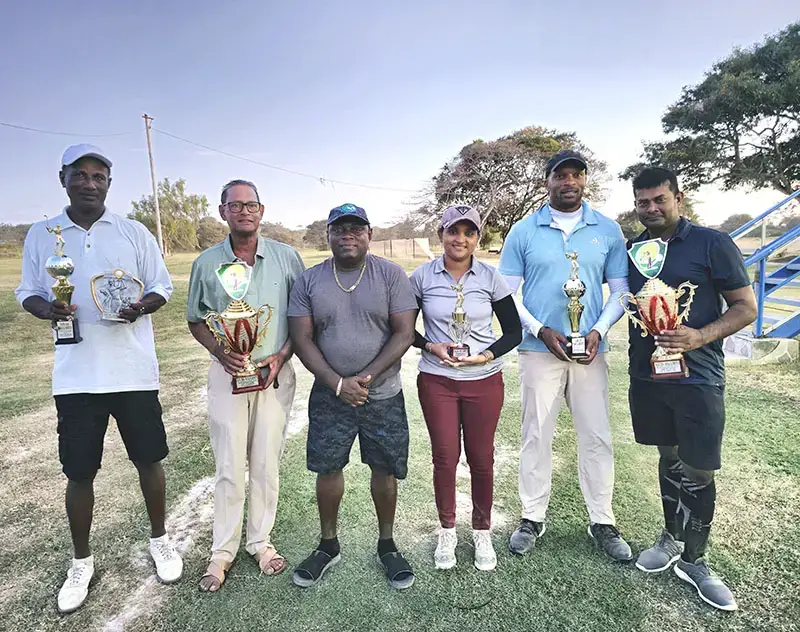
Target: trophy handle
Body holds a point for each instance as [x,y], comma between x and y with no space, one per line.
[626,298]
[687,304]
[263,329]
[212,320]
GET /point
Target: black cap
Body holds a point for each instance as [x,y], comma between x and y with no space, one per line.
[347,210]
[559,158]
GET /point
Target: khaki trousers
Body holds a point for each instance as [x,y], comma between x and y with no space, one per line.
[246,429]
[544,381]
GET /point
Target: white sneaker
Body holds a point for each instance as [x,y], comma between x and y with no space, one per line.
[485,557]
[75,590]
[169,565]
[445,555]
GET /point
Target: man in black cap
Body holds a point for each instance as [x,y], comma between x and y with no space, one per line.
[351,319]
[537,252]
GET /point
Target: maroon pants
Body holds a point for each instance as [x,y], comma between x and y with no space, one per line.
[450,405]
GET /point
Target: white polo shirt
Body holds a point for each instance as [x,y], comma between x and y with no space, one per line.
[112,356]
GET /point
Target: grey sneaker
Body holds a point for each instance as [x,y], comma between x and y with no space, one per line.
[661,555]
[524,538]
[608,538]
[709,586]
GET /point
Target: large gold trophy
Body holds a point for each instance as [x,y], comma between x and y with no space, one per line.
[459,326]
[60,267]
[240,327]
[658,306]
[574,288]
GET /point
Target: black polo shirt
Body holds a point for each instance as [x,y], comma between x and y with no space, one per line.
[710,260]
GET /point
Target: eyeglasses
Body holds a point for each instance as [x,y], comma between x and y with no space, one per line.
[238,207]
[354,229]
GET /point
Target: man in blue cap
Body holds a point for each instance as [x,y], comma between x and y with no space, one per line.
[351,319]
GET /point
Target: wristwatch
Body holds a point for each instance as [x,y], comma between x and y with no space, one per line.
[541,331]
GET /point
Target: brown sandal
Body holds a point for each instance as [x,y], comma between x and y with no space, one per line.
[265,556]
[217,570]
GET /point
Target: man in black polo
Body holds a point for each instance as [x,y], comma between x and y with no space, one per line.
[685,416]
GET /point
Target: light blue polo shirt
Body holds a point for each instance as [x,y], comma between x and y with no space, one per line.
[536,251]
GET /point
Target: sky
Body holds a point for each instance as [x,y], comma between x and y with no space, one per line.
[376,93]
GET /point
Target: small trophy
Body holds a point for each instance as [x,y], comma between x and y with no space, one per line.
[658,306]
[240,327]
[114,291]
[574,289]
[459,326]
[60,267]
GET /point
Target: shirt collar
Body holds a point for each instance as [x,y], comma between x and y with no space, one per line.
[260,249]
[545,217]
[65,221]
[438,265]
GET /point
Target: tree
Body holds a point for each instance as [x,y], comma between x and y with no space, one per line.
[504,178]
[181,213]
[210,231]
[316,235]
[740,126]
[732,222]
[279,232]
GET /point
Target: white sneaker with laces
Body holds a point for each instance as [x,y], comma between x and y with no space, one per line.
[169,565]
[485,557]
[75,590]
[445,555]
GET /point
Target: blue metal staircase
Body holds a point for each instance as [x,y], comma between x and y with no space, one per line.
[777,288]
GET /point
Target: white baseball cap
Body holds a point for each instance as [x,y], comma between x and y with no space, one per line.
[73,153]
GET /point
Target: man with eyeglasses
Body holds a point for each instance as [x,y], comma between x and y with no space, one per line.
[351,319]
[250,427]
[112,369]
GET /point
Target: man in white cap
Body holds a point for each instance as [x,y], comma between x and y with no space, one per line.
[111,369]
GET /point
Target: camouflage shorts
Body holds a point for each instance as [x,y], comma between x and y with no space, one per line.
[381,426]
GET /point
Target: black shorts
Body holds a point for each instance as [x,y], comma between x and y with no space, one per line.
[690,416]
[82,423]
[381,426]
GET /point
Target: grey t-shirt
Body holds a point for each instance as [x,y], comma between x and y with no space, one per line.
[350,329]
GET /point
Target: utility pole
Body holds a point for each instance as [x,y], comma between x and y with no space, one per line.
[159,236]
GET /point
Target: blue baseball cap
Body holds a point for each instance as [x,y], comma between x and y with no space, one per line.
[347,210]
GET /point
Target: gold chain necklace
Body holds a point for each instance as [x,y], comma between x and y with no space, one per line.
[358,280]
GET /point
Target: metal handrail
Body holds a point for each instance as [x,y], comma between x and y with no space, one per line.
[748,226]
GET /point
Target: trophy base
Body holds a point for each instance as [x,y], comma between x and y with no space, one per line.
[113,317]
[576,347]
[67,332]
[248,383]
[458,352]
[668,368]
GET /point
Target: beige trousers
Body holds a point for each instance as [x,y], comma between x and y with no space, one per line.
[247,429]
[544,381]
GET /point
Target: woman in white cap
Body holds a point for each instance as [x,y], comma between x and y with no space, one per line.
[460,384]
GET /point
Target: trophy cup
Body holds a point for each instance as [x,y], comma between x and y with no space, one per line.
[240,327]
[574,289]
[60,267]
[459,326]
[114,291]
[658,306]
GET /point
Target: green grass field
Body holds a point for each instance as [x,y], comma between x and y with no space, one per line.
[563,585]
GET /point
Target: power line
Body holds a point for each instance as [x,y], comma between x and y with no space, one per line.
[46,131]
[283,169]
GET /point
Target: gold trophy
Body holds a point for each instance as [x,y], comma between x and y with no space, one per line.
[574,289]
[240,327]
[60,267]
[658,306]
[459,326]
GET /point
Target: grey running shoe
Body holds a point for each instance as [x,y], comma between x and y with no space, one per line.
[608,538]
[524,538]
[661,555]
[709,586]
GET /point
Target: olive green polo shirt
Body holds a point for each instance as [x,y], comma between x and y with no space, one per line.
[276,267]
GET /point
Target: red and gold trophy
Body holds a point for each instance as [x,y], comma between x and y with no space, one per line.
[240,327]
[658,306]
